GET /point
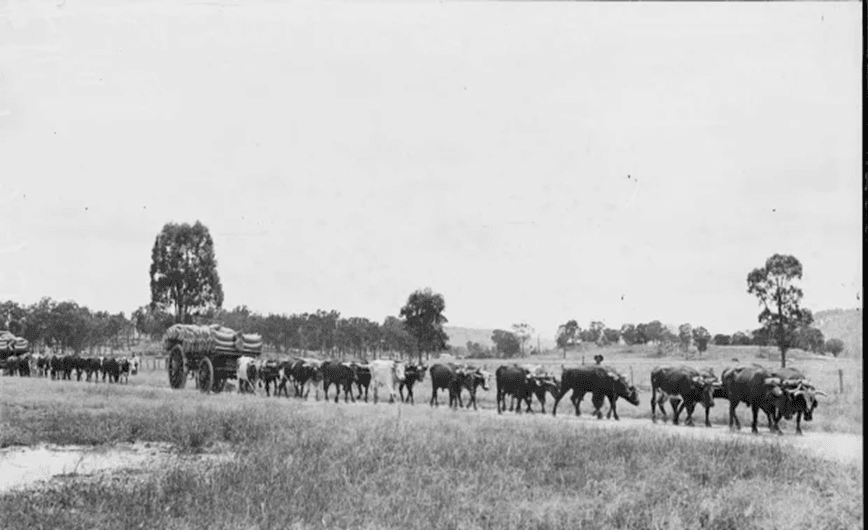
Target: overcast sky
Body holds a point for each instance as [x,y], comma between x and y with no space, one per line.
[530,162]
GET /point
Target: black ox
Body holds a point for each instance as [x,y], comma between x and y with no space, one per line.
[602,382]
[413,373]
[342,375]
[802,395]
[686,383]
[760,390]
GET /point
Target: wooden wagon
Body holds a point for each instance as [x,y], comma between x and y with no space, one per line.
[211,353]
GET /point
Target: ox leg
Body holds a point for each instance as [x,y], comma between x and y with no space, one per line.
[689,419]
[433,396]
[558,398]
[576,399]
[676,411]
[754,408]
[799,422]
[654,405]
[733,419]
[410,395]
[613,409]
[707,420]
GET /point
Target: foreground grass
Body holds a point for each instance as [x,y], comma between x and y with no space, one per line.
[316,465]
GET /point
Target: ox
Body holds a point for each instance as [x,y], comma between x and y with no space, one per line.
[548,384]
[471,379]
[41,365]
[718,392]
[111,368]
[759,389]
[443,377]
[517,382]
[802,395]
[247,373]
[92,366]
[413,373]
[284,376]
[602,382]
[18,365]
[342,375]
[306,372]
[76,364]
[124,369]
[270,374]
[387,374]
[686,383]
[363,379]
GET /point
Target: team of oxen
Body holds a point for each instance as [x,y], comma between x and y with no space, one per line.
[779,394]
[782,393]
[65,367]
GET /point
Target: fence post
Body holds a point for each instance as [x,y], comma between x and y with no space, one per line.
[840,381]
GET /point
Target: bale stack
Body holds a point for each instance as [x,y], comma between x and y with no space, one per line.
[12,345]
[212,339]
[229,341]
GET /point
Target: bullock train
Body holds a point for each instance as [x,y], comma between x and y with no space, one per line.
[214,354]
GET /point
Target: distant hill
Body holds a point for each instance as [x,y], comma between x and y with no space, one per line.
[844,324]
[459,336]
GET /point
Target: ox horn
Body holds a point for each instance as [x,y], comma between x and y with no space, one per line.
[772,380]
[819,393]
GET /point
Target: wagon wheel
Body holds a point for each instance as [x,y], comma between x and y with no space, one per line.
[205,379]
[177,374]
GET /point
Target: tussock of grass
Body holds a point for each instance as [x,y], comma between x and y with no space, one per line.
[337,466]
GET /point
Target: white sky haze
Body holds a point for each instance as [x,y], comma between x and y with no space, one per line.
[530,162]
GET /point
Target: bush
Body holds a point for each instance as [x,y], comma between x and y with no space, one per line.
[834,346]
[721,340]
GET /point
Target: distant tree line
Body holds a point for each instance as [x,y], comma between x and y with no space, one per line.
[67,327]
[805,337]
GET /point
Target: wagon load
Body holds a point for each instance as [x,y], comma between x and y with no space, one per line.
[12,345]
[210,352]
[227,339]
[212,339]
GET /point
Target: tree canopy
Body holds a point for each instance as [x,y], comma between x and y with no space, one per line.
[701,337]
[184,271]
[775,286]
[506,342]
[423,319]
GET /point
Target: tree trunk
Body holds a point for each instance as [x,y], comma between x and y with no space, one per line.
[781,345]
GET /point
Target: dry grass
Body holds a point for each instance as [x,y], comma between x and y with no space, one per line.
[306,465]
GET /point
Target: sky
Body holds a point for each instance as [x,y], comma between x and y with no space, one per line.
[530,162]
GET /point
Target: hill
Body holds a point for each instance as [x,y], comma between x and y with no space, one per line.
[844,324]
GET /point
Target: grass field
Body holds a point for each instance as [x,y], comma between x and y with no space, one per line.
[320,465]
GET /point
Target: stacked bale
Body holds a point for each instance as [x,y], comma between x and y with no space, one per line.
[211,339]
